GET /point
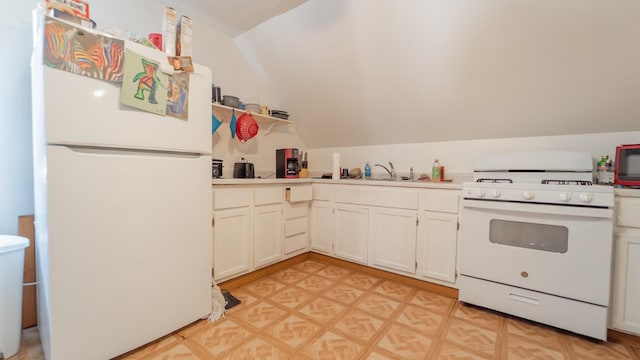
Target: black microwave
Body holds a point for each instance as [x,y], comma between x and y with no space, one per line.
[627,165]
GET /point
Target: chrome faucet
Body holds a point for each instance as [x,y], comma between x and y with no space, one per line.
[391,172]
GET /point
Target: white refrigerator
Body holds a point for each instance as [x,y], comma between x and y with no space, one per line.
[123,212]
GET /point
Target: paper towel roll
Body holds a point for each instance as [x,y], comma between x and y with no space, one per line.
[335,174]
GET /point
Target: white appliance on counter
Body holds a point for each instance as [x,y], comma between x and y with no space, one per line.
[536,240]
[123,212]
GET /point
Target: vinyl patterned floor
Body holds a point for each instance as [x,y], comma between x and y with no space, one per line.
[315,310]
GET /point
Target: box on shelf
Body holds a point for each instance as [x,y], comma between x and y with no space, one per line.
[169,31]
[76,8]
[184,37]
[67,16]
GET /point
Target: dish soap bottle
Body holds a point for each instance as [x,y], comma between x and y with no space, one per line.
[435,171]
[367,170]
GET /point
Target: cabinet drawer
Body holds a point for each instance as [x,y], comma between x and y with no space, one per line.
[295,243]
[230,198]
[390,198]
[299,193]
[321,192]
[296,226]
[628,209]
[295,210]
[268,195]
[440,200]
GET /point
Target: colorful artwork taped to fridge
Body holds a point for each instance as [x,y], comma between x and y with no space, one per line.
[144,86]
[79,51]
[178,96]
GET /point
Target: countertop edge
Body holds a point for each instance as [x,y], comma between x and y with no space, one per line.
[398,184]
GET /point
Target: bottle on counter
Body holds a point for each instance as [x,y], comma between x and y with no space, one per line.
[367,170]
[601,169]
[436,171]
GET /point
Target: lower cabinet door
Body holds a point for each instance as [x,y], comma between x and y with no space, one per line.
[625,308]
[267,234]
[351,229]
[437,245]
[232,234]
[321,225]
[393,239]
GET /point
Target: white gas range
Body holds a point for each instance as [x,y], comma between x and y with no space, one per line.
[536,239]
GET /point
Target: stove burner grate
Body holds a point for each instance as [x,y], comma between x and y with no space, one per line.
[567,182]
[488,180]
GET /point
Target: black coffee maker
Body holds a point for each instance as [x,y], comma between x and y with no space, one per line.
[287,163]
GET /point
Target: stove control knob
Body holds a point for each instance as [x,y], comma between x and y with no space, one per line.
[479,192]
[495,193]
[564,196]
[528,195]
[586,197]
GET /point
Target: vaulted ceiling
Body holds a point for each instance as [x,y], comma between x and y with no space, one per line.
[369,72]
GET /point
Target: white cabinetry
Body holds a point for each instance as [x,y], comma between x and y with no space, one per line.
[351,225]
[232,232]
[625,307]
[438,235]
[408,231]
[321,219]
[267,215]
[296,220]
[254,226]
[393,239]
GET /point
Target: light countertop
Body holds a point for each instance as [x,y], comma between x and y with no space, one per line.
[404,184]
[628,192]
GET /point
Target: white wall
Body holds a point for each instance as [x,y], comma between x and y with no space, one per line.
[458,156]
[375,72]
[16,173]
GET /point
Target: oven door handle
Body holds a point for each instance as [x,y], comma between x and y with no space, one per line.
[574,211]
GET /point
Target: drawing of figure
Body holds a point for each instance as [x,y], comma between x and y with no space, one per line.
[147,81]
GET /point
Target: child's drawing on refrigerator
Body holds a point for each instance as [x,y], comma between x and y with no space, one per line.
[144,85]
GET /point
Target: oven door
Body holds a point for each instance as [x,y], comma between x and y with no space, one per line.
[560,250]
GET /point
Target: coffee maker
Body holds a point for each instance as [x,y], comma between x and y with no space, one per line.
[287,163]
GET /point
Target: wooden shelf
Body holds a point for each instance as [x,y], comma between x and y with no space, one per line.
[223,113]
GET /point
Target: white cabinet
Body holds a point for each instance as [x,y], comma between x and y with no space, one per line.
[258,225]
[296,219]
[393,239]
[625,304]
[232,233]
[438,235]
[267,218]
[351,232]
[296,228]
[321,226]
[438,248]
[267,236]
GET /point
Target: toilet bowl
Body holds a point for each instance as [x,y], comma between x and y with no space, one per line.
[11,277]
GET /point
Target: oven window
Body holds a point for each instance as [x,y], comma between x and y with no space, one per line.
[543,237]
